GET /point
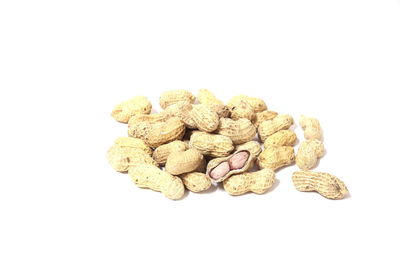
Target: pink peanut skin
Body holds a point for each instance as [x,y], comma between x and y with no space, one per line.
[238,160]
[220,171]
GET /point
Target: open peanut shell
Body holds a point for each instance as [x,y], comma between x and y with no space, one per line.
[219,169]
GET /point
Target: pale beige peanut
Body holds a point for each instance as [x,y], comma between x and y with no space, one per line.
[253,147]
[214,145]
[257,182]
[275,157]
[208,98]
[149,176]
[269,127]
[308,154]
[182,110]
[183,162]
[159,133]
[239,131]
[174,96]
[162,152]
[196,181]
[150,118]
[257,103]
[325,184]
[220,169]
[135,143]
[241,109]
[263,116]
[121,158]
[312,128]
[281,138]
[205,119]
[134,106]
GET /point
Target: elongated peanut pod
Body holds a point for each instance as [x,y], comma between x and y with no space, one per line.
[325,184]
[257,182]
[149,176]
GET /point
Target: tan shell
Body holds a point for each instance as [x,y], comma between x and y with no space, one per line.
[121,158]
[214,145]
[196,181]
[205,119]
[182,111]
[202,167]
[240,131]
[157,134]
[308,154]
[149,176]
[207,98]
[162,152]
[125,110]
[183,162]
[281,138]
[263,116]
[150,118]
[241,109]
[257,103]
[253,147]
[275,157]
[174,96]
[325,184]
[217,161]
[135,143]
[312,128]
[280,122]
[257,182]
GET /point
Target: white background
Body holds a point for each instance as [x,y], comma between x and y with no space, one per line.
[65,64]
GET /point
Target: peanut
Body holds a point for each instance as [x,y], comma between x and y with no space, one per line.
[253,147]
[150,118]
[220,169]
[205,119]
[308,154]
[281,138]
[196,181]
[263,116]
[325,184]
[207,98]
[240,131]
[312,128]
[257,182]
[125,110]
[183,162]
[280,122]
[257,103]
[275,157]
[238,160]
[214,145]
[159,133]
[149,176]
[162,152]
[181,110]
[135,143]
[241,109]
[121,158]
[174,96]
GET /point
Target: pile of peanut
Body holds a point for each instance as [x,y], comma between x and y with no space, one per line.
[197,144]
